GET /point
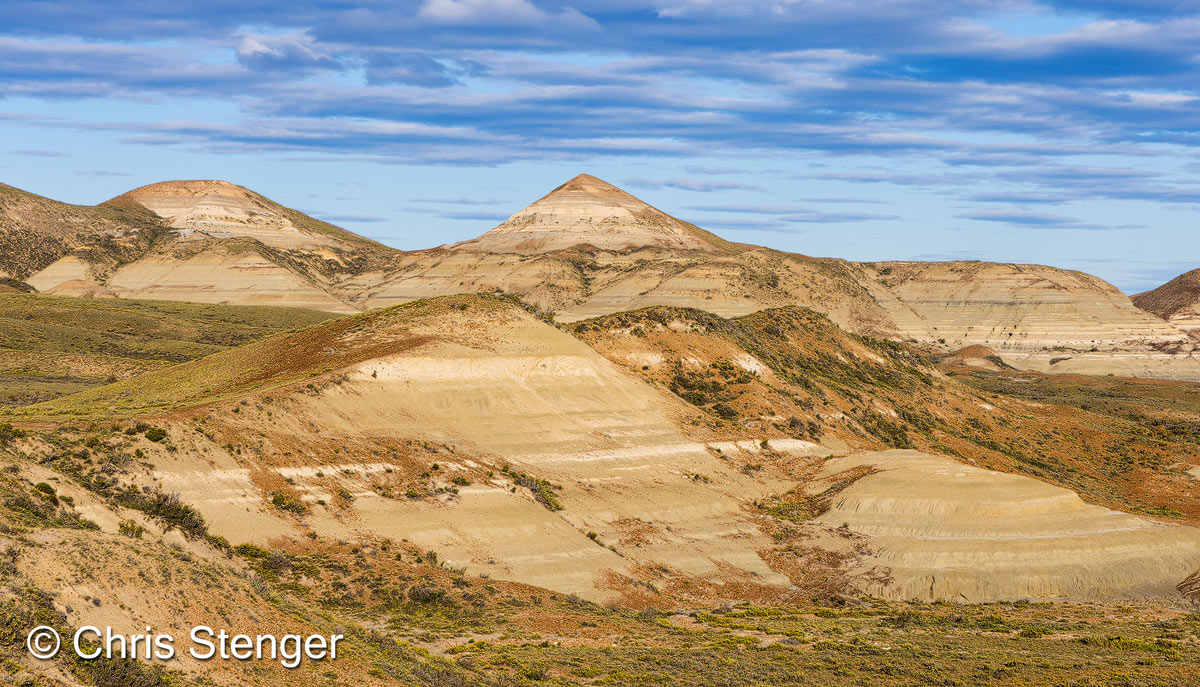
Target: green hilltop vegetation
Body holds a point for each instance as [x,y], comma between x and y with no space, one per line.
[261,364]
[51,346]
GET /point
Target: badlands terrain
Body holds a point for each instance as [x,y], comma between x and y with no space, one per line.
[595,445]
[583,250]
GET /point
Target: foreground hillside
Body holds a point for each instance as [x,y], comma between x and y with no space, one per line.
[414,622]
[691,456]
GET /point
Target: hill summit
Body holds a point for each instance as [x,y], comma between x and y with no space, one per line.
[220,209]
[587,211]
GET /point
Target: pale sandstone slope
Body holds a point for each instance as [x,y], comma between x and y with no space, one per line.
[587,211]
[223,272]
[1177,302]
[499,388]
[952,531]
[1038,317]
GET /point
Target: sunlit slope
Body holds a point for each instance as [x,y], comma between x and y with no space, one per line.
[950,531]
[36,231]
[201,241]
[530,418]
[224,210]
[1040,318]
[790,372]
[586,211]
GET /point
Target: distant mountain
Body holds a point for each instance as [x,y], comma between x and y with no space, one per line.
[36,231]
[590,212]
[1177,302]
[204,241]
[219,209]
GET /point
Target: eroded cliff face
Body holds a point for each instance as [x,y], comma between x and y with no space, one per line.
[1039,318]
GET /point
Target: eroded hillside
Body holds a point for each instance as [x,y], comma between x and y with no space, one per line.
[689,462]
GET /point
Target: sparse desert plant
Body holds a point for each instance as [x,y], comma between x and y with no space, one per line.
[168,508]
[8,433]
[131,529]
[288,502]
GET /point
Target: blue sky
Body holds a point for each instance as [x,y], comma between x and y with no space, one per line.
[1065,133]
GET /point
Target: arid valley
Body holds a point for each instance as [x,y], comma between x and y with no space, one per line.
[596,445]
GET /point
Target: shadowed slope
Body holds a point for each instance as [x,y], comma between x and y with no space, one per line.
[1177,302]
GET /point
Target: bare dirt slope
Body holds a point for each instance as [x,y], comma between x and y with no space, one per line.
[219,209]
[951,531]
[1177,302]
[1038,317]
[527,418]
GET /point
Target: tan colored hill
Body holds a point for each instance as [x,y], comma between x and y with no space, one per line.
[36,231]
[590,212]
[1177,302]
[219,209]
[588,249]
[537,441]
[950,531]
[469,427]
[215,242]
[1038,317]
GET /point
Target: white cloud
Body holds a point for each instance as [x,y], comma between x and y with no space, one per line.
[498,12]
